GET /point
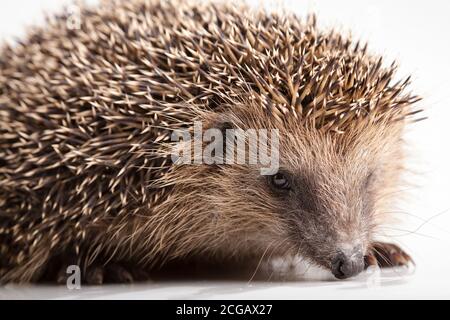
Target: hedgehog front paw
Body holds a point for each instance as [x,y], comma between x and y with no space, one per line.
[112,273]
[117,273]
[387,255]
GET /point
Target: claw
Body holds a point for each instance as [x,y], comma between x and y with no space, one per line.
[387,255]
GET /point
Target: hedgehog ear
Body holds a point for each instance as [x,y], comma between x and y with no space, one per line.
[221,123]
[224,126]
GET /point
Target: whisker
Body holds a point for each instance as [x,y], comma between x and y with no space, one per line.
[407,232]
[259,262]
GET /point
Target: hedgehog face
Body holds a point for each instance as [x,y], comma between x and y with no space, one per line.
[321,202]
[328,214]
[329,204]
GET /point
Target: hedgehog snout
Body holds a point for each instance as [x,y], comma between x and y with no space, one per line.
[347,262]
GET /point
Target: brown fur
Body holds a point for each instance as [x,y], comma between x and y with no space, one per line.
[86,116]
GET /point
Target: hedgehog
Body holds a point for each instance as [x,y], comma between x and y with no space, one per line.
[87,115]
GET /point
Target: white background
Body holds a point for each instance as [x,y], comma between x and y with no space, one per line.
[415,33]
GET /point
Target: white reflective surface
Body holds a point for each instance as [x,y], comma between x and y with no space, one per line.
[368,285]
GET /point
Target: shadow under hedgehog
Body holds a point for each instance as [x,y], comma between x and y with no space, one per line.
[86,117]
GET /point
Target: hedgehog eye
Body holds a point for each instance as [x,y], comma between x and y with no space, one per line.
[280,181]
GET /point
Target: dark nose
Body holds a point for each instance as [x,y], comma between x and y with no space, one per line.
[347,264]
